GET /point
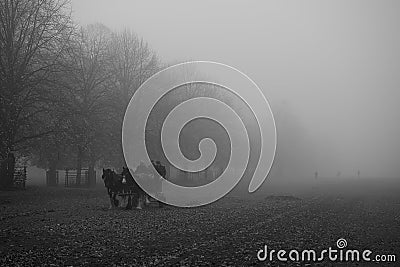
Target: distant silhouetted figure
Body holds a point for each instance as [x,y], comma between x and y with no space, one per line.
[316,175]
[338,174]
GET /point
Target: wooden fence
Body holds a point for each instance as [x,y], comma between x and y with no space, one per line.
[20,177]
[86,180]
[52,179]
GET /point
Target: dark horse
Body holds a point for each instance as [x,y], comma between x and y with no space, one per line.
[133,187]
[118,184]
[113,183]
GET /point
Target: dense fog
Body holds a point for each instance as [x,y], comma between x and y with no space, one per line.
[328,69]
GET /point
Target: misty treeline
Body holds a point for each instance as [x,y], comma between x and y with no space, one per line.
[64,88]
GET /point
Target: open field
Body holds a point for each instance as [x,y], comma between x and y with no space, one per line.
[57,226]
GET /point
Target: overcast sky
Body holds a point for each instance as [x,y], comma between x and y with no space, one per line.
[335,63]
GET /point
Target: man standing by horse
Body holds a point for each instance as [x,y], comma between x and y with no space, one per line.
[160,171]
[125,185]
[133,185]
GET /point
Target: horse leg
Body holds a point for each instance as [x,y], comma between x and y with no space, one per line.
[111,199]
[129,205]
[111,203]
[135,199]
[140,202]
[116,201]
[123,200]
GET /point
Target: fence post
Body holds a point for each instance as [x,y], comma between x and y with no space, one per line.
[87,178]
[25,177]
[66,178]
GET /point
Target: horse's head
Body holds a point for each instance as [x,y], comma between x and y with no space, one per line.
[108,177]
[123,181]
[105,174]
[125,171]
[127,176]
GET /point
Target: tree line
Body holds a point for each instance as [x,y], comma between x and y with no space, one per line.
[64,88]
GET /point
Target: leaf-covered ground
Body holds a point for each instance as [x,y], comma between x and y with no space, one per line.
[73,227]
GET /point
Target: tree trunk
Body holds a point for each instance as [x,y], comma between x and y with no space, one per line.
[92,174]
[6,165]
[52,178]
[79,166]
[10,171]
[3,173]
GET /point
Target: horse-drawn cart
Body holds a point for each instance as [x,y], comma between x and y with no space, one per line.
[154,183]
[126,186]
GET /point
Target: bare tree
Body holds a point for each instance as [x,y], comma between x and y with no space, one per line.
[85,98]
[100,72]
[32,35]
[133,62]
